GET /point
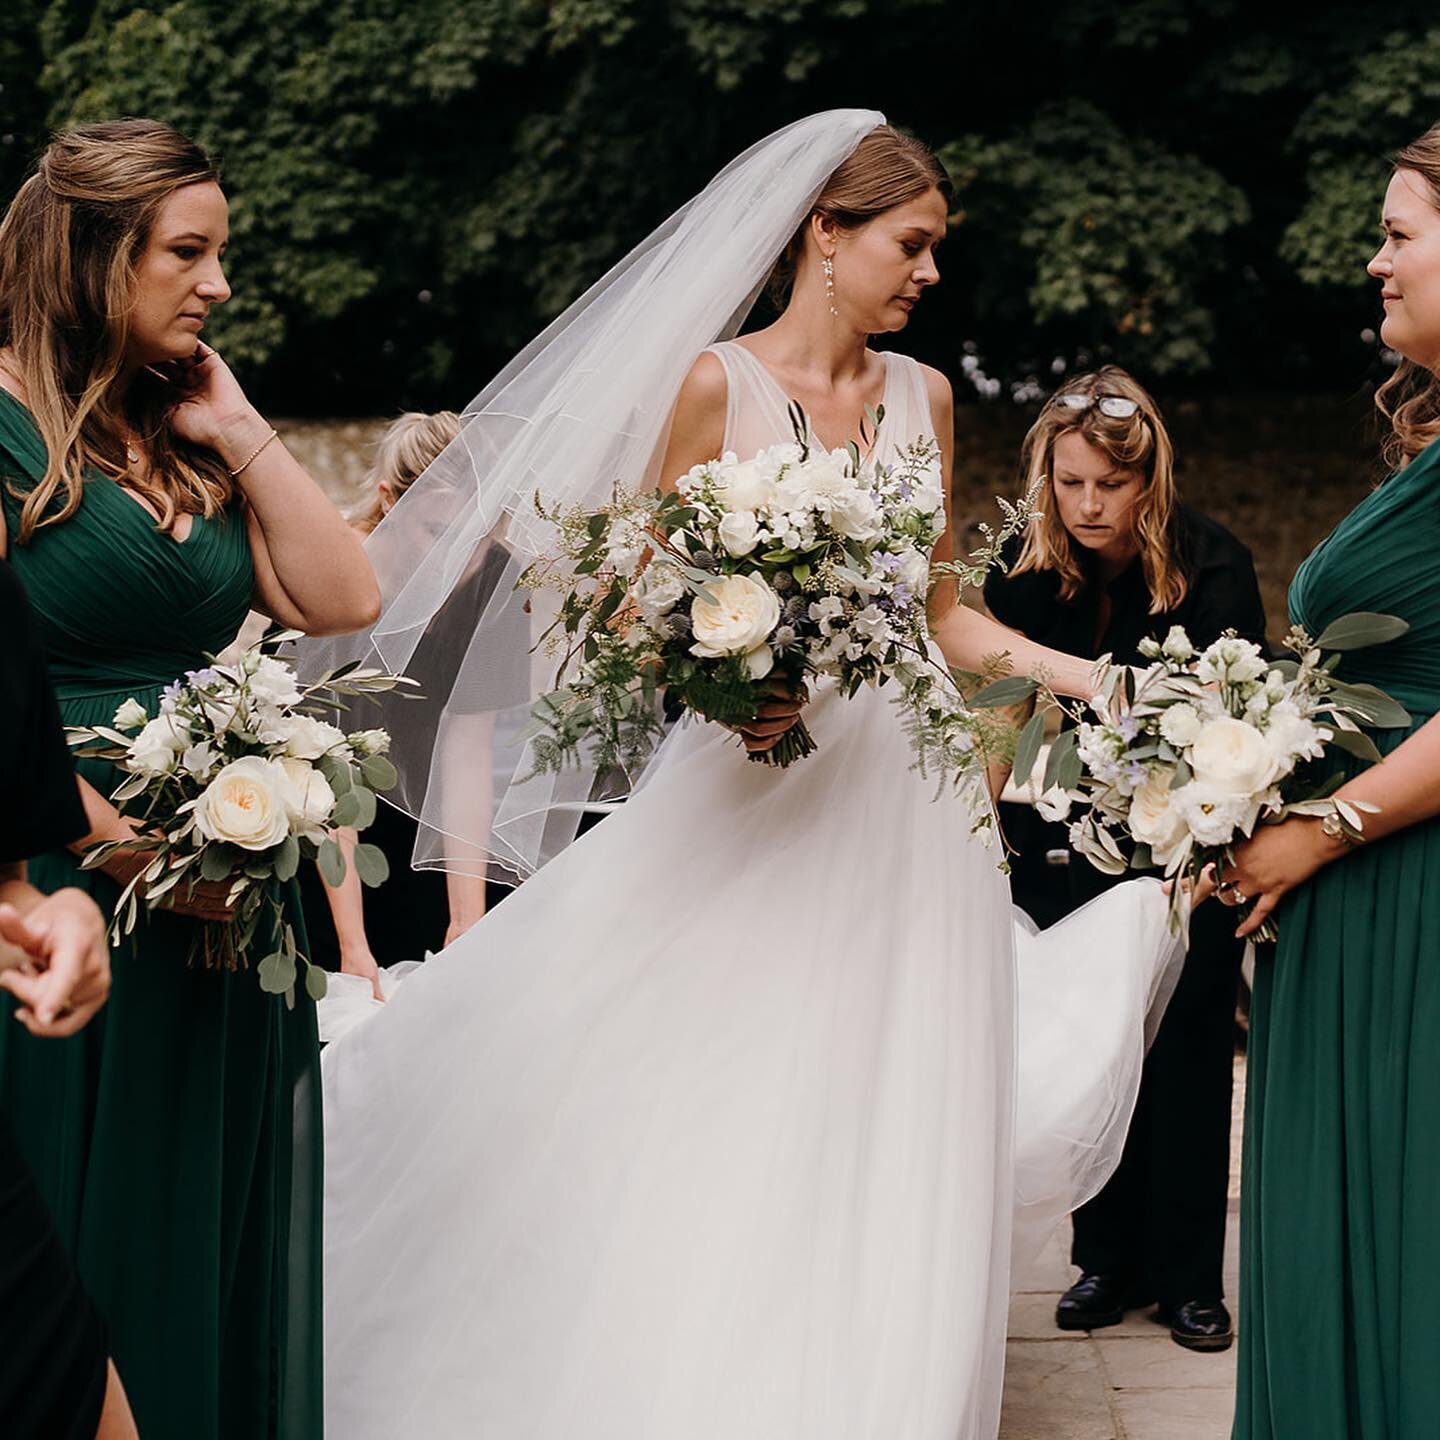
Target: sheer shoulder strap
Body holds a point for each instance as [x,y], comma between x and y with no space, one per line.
[756,413]
[907,403]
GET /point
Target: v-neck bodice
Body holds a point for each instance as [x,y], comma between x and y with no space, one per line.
[757,408]
[119,605]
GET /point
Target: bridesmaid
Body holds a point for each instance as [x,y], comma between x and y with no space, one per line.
[1340,1257]
[146,505]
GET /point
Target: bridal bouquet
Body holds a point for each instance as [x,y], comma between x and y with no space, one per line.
[1186,757]
[748,578]
[238,779]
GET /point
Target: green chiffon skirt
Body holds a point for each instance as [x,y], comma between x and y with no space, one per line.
[177,1140]
[1340,1216]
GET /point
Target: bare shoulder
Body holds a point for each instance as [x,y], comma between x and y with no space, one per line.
[937,387]
[697,424]
[705,386]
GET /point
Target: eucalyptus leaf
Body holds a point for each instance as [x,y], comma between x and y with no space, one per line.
[1355,742]
[371,865]
[379,772]
[331,861]
[1000,693]
[277,973]
[216,863]
[364,798]
[1363,628]
[1027,747]
[315,983]
[1371,704]
[287,859]
[346,811]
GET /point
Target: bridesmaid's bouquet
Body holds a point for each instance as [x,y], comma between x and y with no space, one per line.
[239,779]
[750,577]
[1172,765]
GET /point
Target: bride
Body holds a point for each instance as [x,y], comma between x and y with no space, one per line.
[715,1130]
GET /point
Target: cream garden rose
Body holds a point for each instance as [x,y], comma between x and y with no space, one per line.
[156,748]
[1232,758]
[1154,818]
[246,804]
[312,799]
[735,615]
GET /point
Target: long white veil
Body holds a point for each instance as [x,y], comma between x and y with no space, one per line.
[582,407]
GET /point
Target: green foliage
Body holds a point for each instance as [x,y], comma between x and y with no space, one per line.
[1179,185]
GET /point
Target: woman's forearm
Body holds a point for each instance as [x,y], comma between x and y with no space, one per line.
[1405,785]
[347,904]
[970,641]
[311,570]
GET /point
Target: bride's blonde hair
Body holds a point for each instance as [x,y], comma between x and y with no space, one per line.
[1133,442]
[1410,398]
[68,247]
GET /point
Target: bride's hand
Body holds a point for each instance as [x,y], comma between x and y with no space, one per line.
[774,717]
[360,961]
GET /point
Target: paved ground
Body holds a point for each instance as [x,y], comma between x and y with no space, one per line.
[1130,1382]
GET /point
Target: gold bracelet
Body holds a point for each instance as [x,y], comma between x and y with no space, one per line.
[241,468]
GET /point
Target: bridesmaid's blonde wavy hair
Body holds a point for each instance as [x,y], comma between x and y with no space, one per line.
[406,448]
[1410,398]
[1137,442]
[68,247]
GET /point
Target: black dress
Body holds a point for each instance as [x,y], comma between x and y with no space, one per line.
[53,1344]
[1160,1222]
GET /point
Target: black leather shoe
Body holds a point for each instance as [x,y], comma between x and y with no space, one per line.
[1198,1324]
[1095,1301]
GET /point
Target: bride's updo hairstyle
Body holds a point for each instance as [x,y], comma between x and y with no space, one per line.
[1410,398]
[884,170]
[69,244]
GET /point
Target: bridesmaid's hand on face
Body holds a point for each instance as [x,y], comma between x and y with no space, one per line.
[212,409]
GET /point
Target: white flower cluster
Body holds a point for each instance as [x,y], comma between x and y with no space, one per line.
[815,550]
[1198,755]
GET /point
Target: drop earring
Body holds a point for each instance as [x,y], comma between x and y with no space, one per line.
[828,265]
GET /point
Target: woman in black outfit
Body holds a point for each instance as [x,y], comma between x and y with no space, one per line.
[1116,559]
[56,1380]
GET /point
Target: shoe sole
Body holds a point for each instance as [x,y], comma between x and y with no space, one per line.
[1206,1344]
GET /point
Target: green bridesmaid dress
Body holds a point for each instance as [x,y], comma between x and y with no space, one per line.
[177,1138]
[1340,1218]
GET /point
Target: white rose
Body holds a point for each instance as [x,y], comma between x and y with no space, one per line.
[856,515]
[657,589]
[1233,758]
[307,738]
[272,682]
[370,742]
[739,532]
[913,572]
[246,804]
[745,485]
[735,615]
[1177,645]
[1154,819]
[131,715]
[1180,724]
[310,797]
[154,750]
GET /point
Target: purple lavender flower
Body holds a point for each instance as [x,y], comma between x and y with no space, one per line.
[1128,726]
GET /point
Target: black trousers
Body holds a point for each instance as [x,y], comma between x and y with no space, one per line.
[1161,1219]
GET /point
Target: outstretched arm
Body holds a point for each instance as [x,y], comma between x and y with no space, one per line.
[968,638]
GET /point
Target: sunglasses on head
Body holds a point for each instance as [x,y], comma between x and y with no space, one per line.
[1117,407]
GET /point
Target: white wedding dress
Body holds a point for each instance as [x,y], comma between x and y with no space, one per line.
[712,1130]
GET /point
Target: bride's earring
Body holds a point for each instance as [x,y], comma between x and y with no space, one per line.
[828,265]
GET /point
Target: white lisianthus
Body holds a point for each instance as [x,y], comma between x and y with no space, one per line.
[827,610]
[1230,661]
[200,760]
[1054,804]
[739,532]
[273,682]
[246,804]
[1177,645]
[156,748]
[657,589]
[310,797]
[370,742]
[1155,820]
[735,615]
[1233,758]
[131,715]
[1180,724]
[303,736]
[1211,816]
[1292,737]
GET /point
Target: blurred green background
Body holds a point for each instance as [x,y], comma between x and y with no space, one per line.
[1190,189]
